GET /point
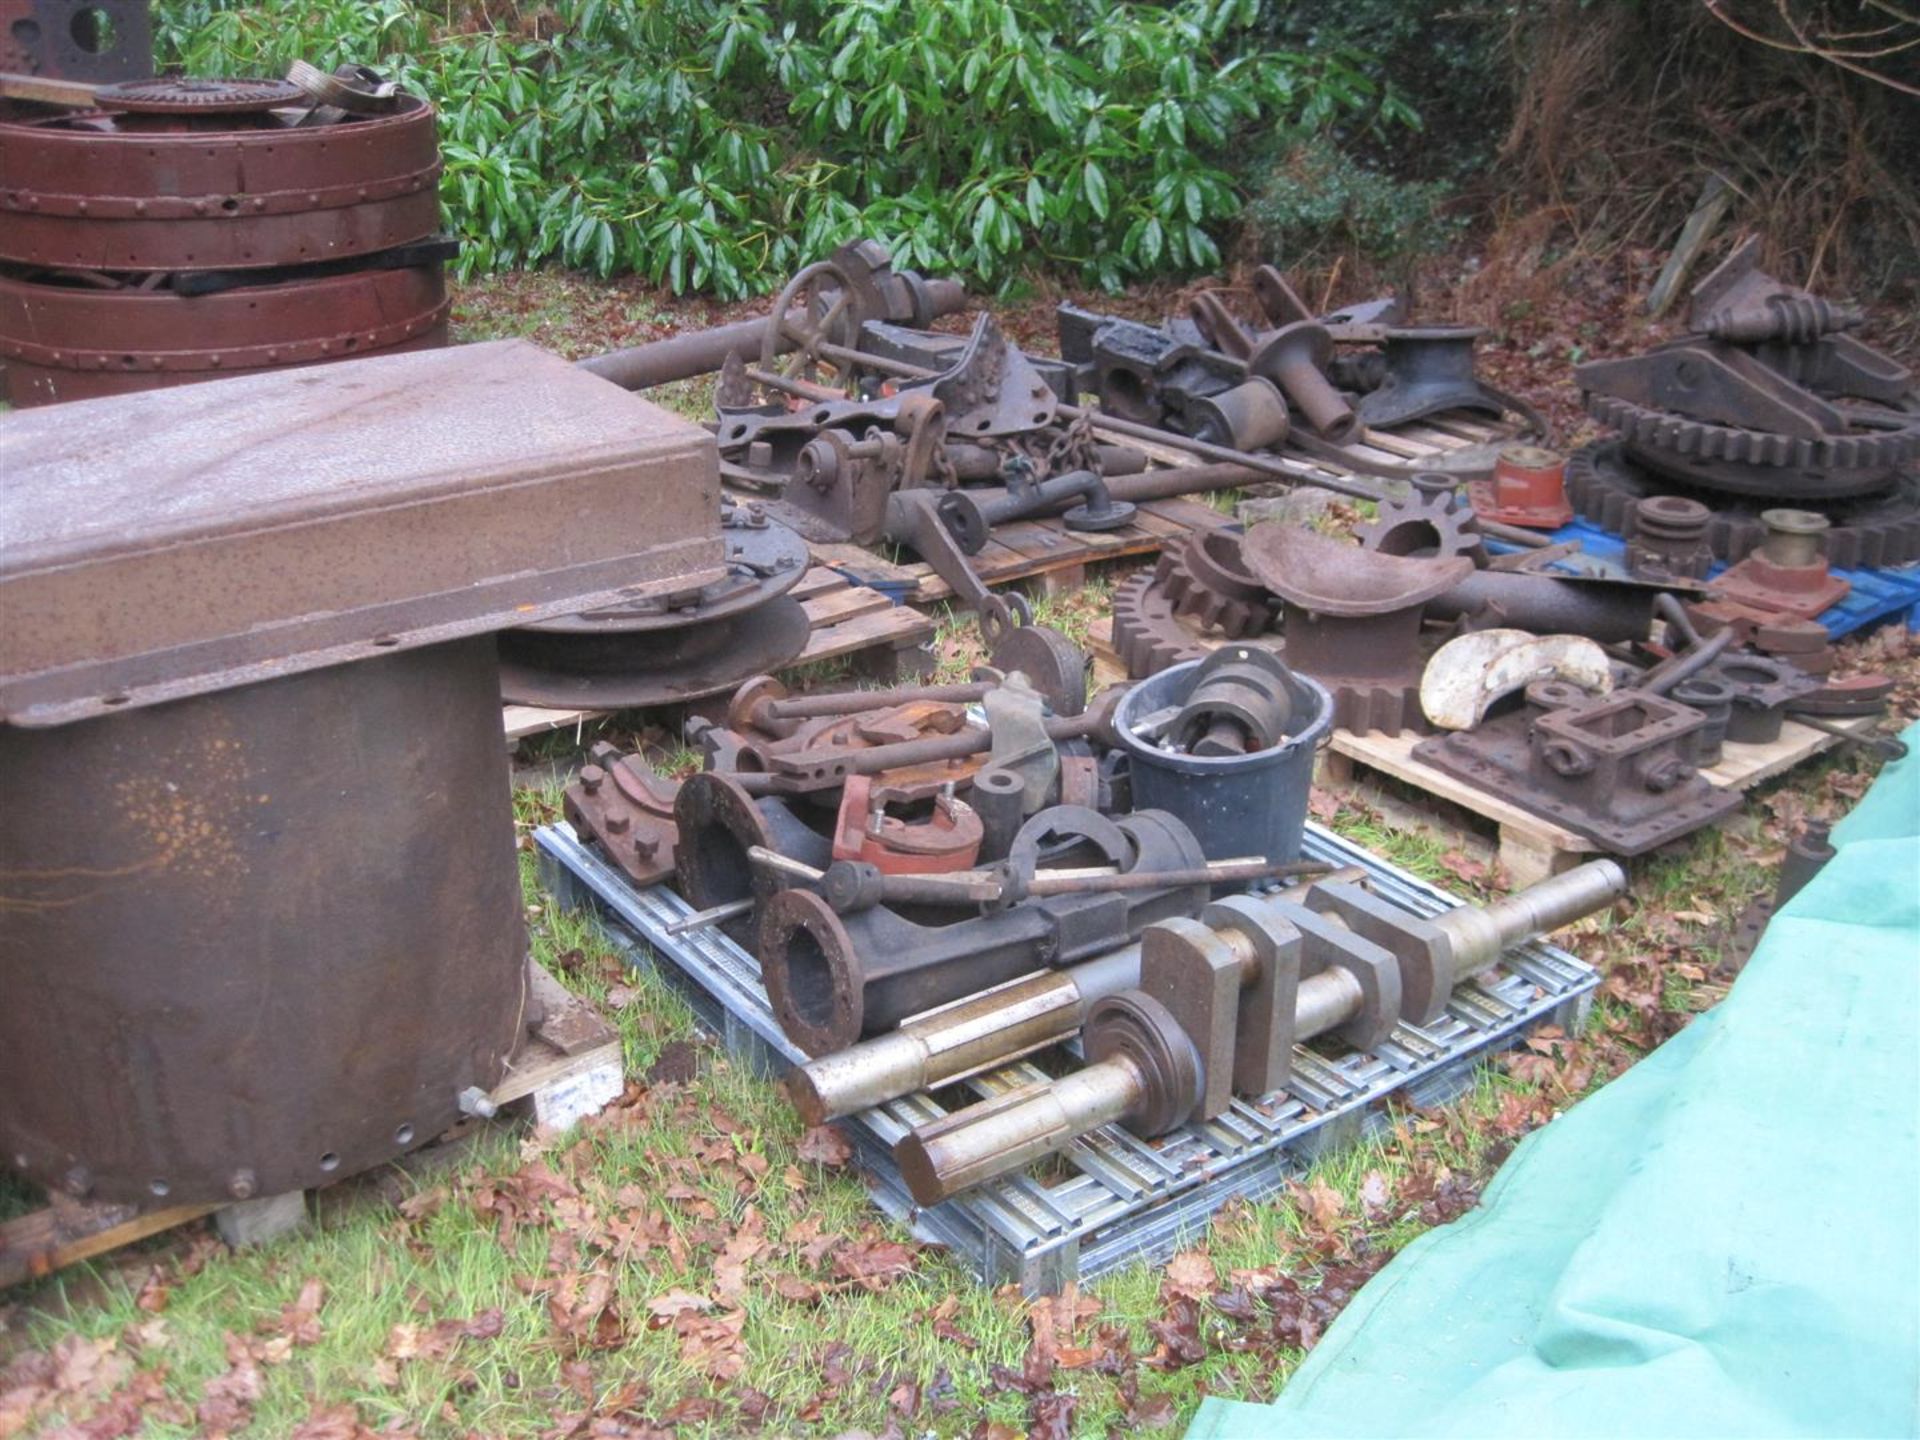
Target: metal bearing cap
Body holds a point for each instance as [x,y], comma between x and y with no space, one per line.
[1207,579]
[1135,1030]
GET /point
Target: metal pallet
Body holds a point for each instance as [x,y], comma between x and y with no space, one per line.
[1122,1198]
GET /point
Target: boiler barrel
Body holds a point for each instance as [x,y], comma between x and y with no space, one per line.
[255,940]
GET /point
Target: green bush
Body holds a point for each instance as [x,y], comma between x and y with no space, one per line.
[718,146]
[1317,201]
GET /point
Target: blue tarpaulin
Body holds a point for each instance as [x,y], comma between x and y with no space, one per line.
[1723,1241]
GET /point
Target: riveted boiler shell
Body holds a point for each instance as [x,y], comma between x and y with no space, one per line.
[259,939]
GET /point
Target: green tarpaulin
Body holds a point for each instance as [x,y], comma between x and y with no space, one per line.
[1723,1241]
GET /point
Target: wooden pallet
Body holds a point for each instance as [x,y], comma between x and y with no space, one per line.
[570,1065]
[847,618]
[1530,847]
[1043,550]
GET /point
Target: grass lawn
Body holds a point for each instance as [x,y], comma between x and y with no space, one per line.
[694,1263]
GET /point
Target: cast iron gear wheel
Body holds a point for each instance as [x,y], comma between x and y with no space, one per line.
[1206,578]
[1428,524]
[1870,531]
[189,95]
[1757,462]
[1147,635]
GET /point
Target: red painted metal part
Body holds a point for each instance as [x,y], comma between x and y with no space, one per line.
[1528,488]
[947,840]
[79,193]
[71,342]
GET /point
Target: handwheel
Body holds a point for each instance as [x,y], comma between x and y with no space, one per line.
[830,315]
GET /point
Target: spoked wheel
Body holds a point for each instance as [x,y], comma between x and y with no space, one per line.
[819,308]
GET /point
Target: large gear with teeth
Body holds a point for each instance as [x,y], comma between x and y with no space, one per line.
[1758,462]
[1604,483]
[1147,635]
[1207,580]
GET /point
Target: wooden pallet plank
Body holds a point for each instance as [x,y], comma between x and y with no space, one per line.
[896,627]
[51,1239]
[843,604]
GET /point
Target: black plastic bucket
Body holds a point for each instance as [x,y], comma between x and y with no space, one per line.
[1237,805]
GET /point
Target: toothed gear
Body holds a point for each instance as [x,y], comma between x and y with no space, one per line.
[1758,462]
[192,95]
[1147,635]
[1205,578]
[1871,531]
[1440,525]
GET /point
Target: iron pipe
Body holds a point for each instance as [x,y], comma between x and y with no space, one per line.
[701,352]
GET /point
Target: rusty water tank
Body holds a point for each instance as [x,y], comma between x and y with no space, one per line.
[260,917]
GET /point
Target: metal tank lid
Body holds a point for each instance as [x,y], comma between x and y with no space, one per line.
[180,541]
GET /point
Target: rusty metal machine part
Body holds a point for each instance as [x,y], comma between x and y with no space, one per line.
[1787,576]
[1422,371]
[1251,416]
[1352,620]
[93,41]
[619,803]
[1668,539]
[1206,578]
[1527,488]
[1766,397]
[270,591]
[1764,689]
[1434,522]
[1601,607]
[903,296]
[1873,530]
[1239,704]
[1807,855]
[110,194]
[1714,700]
[1619,770]
[305,955]
[947,839]
[834,978]
[197,96]
[252,647]
[1147,635]
[67,340]
[718,824]
[1223,1001]
[671,647]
